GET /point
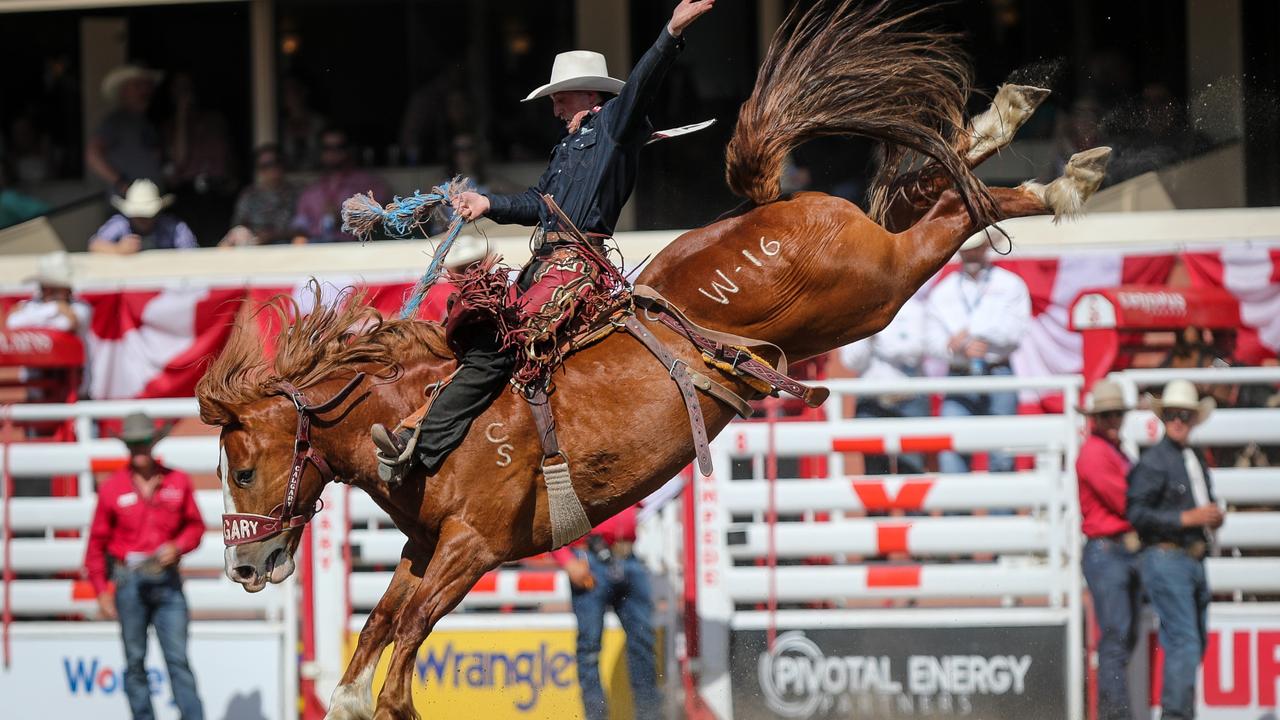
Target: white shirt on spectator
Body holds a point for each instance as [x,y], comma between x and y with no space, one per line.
[994,307]
[39,314]
[893,351]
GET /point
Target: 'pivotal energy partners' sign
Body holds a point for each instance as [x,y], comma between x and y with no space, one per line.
[983,673]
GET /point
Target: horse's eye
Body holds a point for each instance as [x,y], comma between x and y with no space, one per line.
[244,478]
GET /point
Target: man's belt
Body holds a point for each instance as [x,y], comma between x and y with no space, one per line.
[1195,549]
[1128,539]
[542,238]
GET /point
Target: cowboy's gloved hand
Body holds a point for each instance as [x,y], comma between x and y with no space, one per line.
[471,205]
[686,12]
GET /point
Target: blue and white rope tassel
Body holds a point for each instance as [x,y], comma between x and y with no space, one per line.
[361,215]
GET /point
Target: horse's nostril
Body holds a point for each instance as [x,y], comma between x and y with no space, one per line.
[244,572]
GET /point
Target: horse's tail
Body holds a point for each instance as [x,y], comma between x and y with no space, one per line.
[856,71]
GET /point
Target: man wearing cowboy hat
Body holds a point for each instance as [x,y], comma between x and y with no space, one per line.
[140,224]
[591,175]
[127,146]
[1171,503]
[1110,553]
[145,521]
[53,307]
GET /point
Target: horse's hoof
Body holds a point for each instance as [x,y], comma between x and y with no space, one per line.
[1082,177]
[1010,109]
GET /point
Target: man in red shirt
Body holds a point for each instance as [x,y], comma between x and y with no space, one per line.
[604,572]
[146,520]
[1110,554]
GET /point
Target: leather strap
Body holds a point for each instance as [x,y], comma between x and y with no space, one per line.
[679,372]
[244,528]
[721,393]
[721,346]
[649,296]
[546,423]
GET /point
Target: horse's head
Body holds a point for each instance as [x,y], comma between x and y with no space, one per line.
[272,477]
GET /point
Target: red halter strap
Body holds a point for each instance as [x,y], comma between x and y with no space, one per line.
[243,528]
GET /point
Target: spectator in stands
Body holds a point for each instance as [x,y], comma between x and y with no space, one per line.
[1171,503]
[145,521]
[127,146]
[1110,554]
[140,224]
[16,207]
[300,126]
[603,573]
[264,209]
[894,353]
[977,317]
[200,166]
[317,219]
[52,307]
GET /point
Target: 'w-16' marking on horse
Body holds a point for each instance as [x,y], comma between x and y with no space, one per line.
[770,248]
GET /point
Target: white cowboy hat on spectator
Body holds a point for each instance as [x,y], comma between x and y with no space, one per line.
[1106,397]
[578,70]
[142,200]
[116,79]
[53,270]
[1182,395]
[466,250]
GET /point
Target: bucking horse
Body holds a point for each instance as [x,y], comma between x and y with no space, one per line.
[805,273]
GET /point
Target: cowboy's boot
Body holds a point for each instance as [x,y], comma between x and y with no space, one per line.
[396,454]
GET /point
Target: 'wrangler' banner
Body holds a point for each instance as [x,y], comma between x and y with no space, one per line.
[495,674]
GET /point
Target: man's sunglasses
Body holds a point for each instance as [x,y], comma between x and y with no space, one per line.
[1111,414]
[1186,416]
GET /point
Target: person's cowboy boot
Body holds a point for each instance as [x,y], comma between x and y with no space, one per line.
[395,454]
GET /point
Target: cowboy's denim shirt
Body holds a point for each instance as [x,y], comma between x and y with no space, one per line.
[593,171]
[1159,490]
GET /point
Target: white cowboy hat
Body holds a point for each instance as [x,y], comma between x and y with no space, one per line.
[578,70]
[53,270]
[116,79]
[1106,397]
[142,200]
[1182,395]
[466,250]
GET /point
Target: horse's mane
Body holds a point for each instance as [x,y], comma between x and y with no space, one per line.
[856,70]
[333,338]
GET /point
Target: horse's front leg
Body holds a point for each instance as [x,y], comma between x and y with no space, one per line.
[353,698]
[461,557]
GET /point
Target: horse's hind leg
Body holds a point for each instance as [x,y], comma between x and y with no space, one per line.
[353,698]
[460,558]
[989,132]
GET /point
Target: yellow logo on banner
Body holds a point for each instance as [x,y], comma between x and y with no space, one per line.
[509,674]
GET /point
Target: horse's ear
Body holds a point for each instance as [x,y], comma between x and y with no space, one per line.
[216,412]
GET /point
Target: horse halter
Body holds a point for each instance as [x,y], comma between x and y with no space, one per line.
[244,528]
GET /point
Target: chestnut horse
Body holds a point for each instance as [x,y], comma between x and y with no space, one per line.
[808,273]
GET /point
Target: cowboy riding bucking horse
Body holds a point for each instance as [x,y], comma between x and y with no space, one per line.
[645,373]
[592,174]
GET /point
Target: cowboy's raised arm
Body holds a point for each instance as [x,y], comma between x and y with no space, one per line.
[627,112]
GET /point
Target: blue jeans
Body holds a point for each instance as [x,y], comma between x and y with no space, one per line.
[1177,589]
[624,585]
[1112,574]
[972,404]
[142,600]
